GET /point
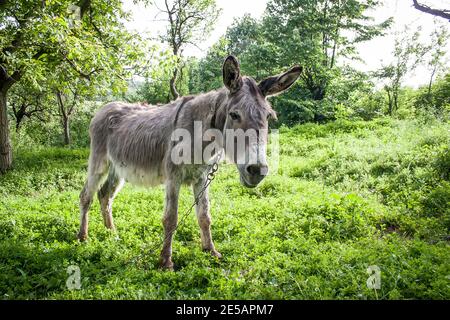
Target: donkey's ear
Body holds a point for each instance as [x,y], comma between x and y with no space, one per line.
[277,84]
[232,74]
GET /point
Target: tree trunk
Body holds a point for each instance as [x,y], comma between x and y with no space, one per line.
[318,92]
[18,122]
[389,102]
[395,97]
[430,84]
[333,55]
[64,118]
[173,82]
[67,140]
[19,115]
[5,143]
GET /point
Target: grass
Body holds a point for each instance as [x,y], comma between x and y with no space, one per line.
[348,195]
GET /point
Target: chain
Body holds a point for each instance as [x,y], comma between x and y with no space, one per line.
[212,170]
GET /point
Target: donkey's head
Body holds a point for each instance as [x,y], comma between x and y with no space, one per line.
[246,118]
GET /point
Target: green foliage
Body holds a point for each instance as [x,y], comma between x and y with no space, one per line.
[437,61]
[49,46]
[57,48]
[209,69]
[407,53]
[246,38]
[348,194]
[49,132]
[435,100]
[314,34]
[292,112]
[155,88]
[188,23]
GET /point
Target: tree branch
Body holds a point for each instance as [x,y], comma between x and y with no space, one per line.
[435,12]
[75,68]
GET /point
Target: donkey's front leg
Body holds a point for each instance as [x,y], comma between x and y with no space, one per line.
[170,222]
[204,218]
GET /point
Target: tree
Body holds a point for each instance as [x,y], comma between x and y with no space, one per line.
[246,39]
[189,21]
[437,101]
[154,88]
[316,33]
[66,107]
[37,37]
[28,102]
[313,33]
[443,13]
[437,62]
[407,53]
[210,67]
[195,80]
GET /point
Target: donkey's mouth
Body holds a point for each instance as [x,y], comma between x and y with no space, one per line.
[247,184]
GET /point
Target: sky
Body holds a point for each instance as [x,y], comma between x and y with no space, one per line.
[374,53]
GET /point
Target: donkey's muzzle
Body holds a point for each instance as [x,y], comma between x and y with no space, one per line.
[257,170]
[254,174]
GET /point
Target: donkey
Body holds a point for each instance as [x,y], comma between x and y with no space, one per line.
[133,143]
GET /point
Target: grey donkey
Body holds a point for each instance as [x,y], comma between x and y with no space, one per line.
[133,143]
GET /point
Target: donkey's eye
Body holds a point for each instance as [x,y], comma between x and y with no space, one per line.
[235,115]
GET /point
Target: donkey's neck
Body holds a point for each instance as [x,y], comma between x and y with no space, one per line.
[220,111]
[211,105]
[211,109]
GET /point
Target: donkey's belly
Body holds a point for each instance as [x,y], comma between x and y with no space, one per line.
[139,177]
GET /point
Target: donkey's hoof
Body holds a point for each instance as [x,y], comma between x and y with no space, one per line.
[216,254]
[82,236]
[166,264]
[110,227]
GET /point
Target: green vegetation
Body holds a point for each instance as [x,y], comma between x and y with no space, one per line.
[348,195]
[363,176]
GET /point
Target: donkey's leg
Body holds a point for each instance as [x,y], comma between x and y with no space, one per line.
[170,222]
[87,194]
[98,167]
[204,218]
[106,196]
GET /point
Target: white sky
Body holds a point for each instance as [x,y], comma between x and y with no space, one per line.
[373,52]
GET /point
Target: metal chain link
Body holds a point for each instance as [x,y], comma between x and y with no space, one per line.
[212,170]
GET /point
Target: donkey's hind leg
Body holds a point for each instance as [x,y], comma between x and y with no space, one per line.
[97,172]
[106,195]
[170,221]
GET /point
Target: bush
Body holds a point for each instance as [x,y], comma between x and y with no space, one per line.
[291,112]
[35,133]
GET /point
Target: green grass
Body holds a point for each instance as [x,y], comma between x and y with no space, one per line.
[348,195]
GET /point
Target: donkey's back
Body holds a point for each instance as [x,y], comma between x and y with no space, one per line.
[132,140]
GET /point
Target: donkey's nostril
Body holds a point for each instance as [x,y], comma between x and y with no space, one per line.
[253,169]
[257,170]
